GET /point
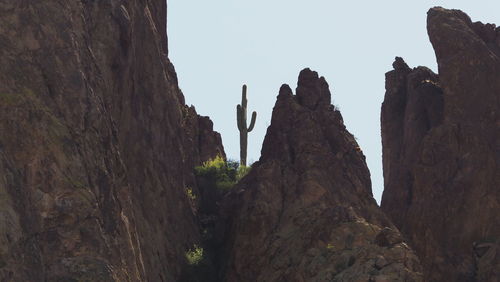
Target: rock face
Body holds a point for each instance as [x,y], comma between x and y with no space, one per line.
[204,142]
[97,150]
[96,145]
[305,212]
[441,151]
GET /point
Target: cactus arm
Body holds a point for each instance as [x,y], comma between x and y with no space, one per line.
[244,97]
[239,117]
[252,123]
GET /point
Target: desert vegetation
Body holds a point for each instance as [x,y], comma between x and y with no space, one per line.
[221,173]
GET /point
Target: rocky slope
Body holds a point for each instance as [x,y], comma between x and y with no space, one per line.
[441,150]
[96,145]
[305,212]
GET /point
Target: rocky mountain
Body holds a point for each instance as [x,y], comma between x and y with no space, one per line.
[96,144]
[441,150]
[98,150]
[305,212]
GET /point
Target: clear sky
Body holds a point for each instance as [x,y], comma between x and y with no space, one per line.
[216,46]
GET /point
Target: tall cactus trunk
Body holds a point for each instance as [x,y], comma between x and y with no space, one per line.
[241,116]
[243,147]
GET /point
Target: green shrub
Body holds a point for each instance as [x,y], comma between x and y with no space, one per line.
[223,174]
[242,171]
[190,194]
[195,255]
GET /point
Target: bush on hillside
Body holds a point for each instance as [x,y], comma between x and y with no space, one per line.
[224,174]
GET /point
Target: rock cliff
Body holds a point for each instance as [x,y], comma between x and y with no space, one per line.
[97,150]
[305,212]
[441,150]
[96,144]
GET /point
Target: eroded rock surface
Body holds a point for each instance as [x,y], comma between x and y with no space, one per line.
[94,144]
[441,150]
[305,212]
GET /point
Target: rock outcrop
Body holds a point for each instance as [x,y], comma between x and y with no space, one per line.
[97,150]
[96,144]
[305,212]
[441,151]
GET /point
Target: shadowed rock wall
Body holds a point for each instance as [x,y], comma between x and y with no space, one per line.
[96,145]
[441,150]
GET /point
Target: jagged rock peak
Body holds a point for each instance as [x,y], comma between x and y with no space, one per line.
[305,212]
[312,92]
[440,156]
[313,95]
[462,49]
[400,65]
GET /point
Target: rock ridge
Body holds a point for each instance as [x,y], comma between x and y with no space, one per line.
[305,211]
[440,150]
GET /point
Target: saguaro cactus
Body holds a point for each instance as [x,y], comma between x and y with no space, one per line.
[241,116]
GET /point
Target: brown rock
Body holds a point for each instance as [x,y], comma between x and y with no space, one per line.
[305,212]
[441,150]
[388,237]
[201,138]
[94,158]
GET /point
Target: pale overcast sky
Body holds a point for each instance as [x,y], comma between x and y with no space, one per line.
[216,46]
